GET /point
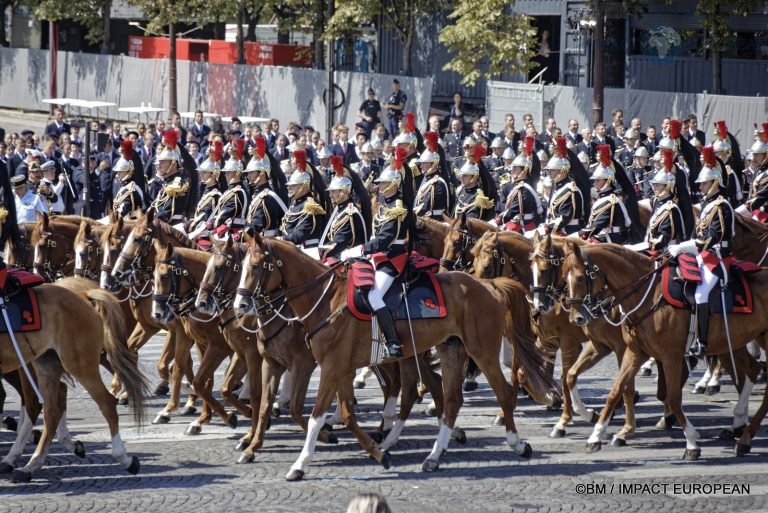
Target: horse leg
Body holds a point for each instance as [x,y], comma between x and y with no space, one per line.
[744,376]
[285,393]
[571,351]
[673,402]
[590,356]
[744,443]
[236,371]
[301,370]
[139,336]
[215,353]
[620,438]
[630,364]
[263,391]
[701,386]
[181,344]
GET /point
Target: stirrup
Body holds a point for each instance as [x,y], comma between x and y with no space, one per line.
[697,349]
[394,350]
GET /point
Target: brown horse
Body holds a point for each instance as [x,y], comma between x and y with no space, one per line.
[130,256]
[52,241]
[457,247]
[57,348]
[601,275]
[318,295]
[513,255]
[21,255]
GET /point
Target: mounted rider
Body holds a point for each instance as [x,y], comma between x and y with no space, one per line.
[666,226]
[566,202]
[712,243]
[433,195]
[757,203]
[229,214]
[522,207]
[169,189]
[267,206]
[208,172]
[387,249]
[609,220]
[304,221]
[472,197]
[129,200]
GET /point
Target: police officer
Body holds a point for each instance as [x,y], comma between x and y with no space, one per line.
[432,196]
[346,226]
[712,242]
[169,189]
[609,220]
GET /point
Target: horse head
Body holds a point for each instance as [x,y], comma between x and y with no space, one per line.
[111,244]
[221,275]
[50,249]
[87,252]
[259,276]
[135,250]
[583,284]
[167,282]
[546,262]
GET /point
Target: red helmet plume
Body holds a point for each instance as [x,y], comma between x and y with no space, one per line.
[337,163]
[301,159]
[239,148]
[478,152]
[171,138]
[675,128]
[561,149]
[260,149]
[721,130]
[708,156]
[669,156]
[218,150]
[604,151]
[430,138]
[400,155]
[530,142]
[126,149]
[410,122]
[764,134]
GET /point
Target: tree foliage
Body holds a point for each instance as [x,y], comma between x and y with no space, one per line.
[487,39]
[200,12]
[714,18]
[88,13]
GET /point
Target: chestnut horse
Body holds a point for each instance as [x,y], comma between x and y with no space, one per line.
[603,275]
[21,255]
[75,330]
[341,343]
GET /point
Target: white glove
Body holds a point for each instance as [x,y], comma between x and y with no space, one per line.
[674,250]
[688,246]
[350,253]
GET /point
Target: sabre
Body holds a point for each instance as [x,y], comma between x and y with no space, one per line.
[4,308]
[413,339]
[71,189]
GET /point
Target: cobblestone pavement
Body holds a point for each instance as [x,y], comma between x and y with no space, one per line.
[183,473]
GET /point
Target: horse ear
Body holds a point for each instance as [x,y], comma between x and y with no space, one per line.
[536,237]
[229,242]
[246,238]
[150,215]
[119,223]
[86,227]
[44,218]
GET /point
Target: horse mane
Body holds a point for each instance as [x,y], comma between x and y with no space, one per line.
[633,259]
[179,238]
[752,227]
[306,260]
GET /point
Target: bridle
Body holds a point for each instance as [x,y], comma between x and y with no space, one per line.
[135,261]
[181,305]
[593,304]
[460,245]
[45,268]
[221,297]
[550,292]
[499,259]
[86,271]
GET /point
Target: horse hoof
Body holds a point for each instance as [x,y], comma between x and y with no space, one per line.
[332,439]
[459,436]
[470,386]
[692,454]
[276,413]
[726,434]
[430,465]
[666,422]
[5,468]
[645,371]
[188,410]
[498,421]
[737,432]
[242,446]
[713,390]
[555,406]
[430,411]
[122,401]
[594,418]
[742,449]
[618,442]
[386,460]
[134,467]
[527,451]
[193,430]
[698,390]
[294,475]
[326,427]
[79,449]
[22,476]
[557,433]
[232,422]
[358,384]
[377,436]
[162,389]
[10,423]
[246,458]
[161,418]
[593,447]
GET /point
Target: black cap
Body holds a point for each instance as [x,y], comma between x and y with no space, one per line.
[18,180]
[396,81]
[27,133]
[309,127]
[235,118]
[370,90]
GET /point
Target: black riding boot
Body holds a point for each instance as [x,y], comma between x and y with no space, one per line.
[387,325]
[699,346]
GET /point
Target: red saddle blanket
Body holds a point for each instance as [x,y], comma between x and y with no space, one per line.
[424,300]
[22,305]
[679,285]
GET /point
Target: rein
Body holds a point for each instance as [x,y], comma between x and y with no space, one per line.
[182,306]
[463,244]
[46,269]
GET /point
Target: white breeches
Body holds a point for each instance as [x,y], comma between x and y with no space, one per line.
[382,282]
[708,282]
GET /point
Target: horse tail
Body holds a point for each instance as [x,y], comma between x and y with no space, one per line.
[518,330]
[124,361]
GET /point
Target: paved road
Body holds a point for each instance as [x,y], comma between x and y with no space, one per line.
[184,474]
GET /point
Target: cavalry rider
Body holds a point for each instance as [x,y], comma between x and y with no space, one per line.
[407,139]
[304,222]
[208,173]
[267,208]
[666,226]
[732,172]
[169,189]
[432,196]
[522,207]
[758,192]
[503,177]
[609,220]
[641,172]
[712,245]
[346,226]
[387,247]
[129,200]
[566,202]
[471,201]
[229,214]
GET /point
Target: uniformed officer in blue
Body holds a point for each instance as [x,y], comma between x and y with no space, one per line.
[712,242]
[266,208]
[346,227]
[666,225]
[169,189]
[304,222]
[522,206]
[609,220]
[432,196]
[387,247]
[208,173]
[566,203]
[229,214]
[129,199]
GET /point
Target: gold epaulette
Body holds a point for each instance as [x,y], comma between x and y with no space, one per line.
[3,214]
[397,212]
[572,186]
[415,169]
[483,201]
[505,178]
[311,207]
[176,188]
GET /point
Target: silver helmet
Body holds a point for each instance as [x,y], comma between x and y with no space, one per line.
[509,154]
[340,183]
[390,174]
[498,142]
[257,164]
[642,151]
[429,157]
[469,169]
[299,177]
